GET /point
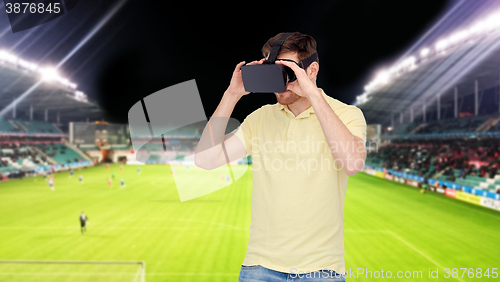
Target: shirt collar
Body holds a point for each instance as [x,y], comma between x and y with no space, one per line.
[305,113]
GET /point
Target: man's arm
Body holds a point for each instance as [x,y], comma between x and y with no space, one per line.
[210,152]
[346,148]
[214,148]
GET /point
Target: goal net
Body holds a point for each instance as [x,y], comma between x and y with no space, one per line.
[74,271]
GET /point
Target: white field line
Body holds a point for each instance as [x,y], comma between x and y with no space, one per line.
[419,252]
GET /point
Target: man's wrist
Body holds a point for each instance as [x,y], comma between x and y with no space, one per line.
[315,95]
[230,97]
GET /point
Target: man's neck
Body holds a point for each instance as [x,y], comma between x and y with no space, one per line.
[299,106]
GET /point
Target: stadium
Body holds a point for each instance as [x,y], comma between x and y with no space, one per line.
[426,205]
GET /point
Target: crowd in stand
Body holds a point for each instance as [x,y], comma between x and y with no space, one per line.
[62,150]
[16,154]
[426,158]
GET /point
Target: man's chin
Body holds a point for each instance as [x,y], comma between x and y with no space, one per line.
[286,98]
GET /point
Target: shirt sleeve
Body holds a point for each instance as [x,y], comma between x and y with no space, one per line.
[354,120]
[244,134]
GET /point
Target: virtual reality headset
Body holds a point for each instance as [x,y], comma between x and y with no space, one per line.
[270,77]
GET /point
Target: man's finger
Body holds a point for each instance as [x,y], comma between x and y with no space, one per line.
[296,69]
[254,63]
[238,66]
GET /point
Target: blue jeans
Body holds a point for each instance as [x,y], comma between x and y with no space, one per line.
[258,273]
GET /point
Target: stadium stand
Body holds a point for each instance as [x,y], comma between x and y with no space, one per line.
[38,126]
[16,157]
[7,126]
[470,162]
[60,153]
[464,124]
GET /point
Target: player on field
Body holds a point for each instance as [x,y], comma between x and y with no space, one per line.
[121,168]
[113,175]
[110,183]
[107,166]
[71,173]
[80,178]
[122,183]
[425,185]
[138,170]
[83,222]
[51,184]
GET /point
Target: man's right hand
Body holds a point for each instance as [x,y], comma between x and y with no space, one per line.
[236,88]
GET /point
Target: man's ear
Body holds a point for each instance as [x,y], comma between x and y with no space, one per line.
[313,69]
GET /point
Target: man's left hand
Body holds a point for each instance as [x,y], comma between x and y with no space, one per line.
[302,86]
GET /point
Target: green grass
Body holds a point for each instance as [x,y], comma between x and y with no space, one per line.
[388,226]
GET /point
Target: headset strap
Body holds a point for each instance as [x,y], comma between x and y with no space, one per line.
[276,48]
[307,61]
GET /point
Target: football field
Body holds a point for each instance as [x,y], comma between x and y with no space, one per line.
[389,227]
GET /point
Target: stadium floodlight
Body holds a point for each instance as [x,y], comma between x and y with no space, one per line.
[493,21]
[479,27]
[486,24]
[27,65]
[459,36]
[79,95]
[363,98]
[409,62]
[441,44]
[8,57]
[382,77]
[63,81]
[424,52]
[48,74]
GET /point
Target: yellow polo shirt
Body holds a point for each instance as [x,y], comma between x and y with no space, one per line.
[298,191]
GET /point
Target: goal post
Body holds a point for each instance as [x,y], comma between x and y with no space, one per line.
[67,270]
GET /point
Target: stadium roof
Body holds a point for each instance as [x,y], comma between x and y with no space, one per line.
[454,61]
[54,93]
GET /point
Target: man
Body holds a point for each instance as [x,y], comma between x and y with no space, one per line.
[80,178]
[110,183]
[83,223]
[122,183]
[303,148]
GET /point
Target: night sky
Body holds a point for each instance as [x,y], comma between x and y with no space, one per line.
[150,45]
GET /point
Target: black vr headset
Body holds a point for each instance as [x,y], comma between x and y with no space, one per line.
[270,77]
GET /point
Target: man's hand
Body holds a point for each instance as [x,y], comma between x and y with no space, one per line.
[303,86]
[236,88]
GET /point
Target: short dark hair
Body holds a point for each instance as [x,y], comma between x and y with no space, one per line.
[303,44]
